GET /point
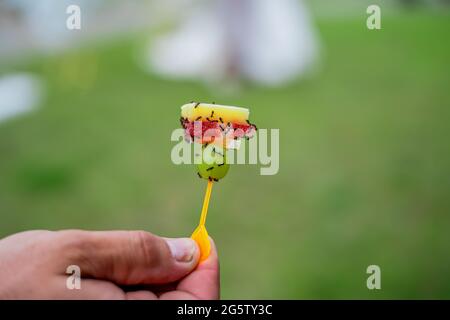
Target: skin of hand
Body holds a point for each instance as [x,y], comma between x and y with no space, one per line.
[114,265]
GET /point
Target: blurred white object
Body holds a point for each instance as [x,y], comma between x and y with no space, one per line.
[265,41]
[19,93]
[41,25]
[46,21]
[194,50]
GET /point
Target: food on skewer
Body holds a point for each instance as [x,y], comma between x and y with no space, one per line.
[216,128]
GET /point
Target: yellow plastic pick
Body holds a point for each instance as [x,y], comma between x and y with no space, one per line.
[200,235]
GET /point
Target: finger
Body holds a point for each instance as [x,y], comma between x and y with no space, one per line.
[202,283]
[162,288]
[140,295]
[89,289]
[131,257]
[178,295]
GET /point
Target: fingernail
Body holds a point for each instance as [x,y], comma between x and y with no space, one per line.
[182,249]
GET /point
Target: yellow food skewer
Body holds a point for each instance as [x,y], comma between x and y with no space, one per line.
[200,235]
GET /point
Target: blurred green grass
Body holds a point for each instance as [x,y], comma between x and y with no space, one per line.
[364,165]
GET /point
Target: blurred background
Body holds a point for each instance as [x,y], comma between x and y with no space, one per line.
[86,117]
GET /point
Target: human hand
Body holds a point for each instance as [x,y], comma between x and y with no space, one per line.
[113,264]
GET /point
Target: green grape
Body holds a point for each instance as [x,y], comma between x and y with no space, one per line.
[213,164]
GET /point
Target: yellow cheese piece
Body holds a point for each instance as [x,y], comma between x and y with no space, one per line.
[208,112]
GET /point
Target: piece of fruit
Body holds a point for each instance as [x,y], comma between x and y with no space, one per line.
[213,164]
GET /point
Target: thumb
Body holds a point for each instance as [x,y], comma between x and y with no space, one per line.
[133,257]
